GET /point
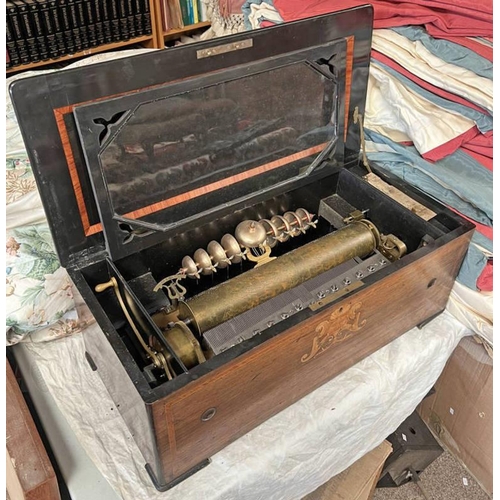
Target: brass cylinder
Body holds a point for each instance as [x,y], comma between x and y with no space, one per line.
[248,290]
[182,341]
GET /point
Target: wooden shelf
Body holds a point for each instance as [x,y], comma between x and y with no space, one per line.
[155,40]
[82,53]
[174,33]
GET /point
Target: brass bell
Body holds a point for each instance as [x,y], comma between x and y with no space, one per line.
[250,233]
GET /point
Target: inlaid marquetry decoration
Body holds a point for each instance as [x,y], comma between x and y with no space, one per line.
[340,326]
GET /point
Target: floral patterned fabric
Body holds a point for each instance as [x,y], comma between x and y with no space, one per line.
[39,291]
[225,16]
[39,295]
[19,179]
[41,301]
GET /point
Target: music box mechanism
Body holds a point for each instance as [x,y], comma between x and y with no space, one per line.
[194,329]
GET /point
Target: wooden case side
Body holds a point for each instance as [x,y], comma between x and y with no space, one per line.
[202,418]
[129,403]
[30,474]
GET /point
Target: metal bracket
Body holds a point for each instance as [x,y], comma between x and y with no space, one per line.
[355,216]
[334,296]
[358,118]
[90,361]
[141,224]
[391,247]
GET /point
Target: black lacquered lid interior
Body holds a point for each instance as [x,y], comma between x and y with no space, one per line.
[262,129]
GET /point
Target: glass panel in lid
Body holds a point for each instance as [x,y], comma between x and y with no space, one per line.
[246,134]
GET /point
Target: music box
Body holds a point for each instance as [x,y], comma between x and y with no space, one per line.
[210,204]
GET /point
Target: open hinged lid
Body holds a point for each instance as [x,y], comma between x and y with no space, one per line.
[128,150]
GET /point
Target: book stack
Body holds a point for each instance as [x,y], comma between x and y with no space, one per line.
[40,30]
[178,14]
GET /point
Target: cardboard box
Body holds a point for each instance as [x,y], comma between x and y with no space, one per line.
[460,413]
[358,481]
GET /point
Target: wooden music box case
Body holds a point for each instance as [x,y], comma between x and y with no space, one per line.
[211,207]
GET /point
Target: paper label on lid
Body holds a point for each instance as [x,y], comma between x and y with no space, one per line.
[405,200]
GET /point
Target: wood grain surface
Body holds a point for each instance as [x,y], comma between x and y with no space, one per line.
[30,475]
[348,80]
[252,388]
